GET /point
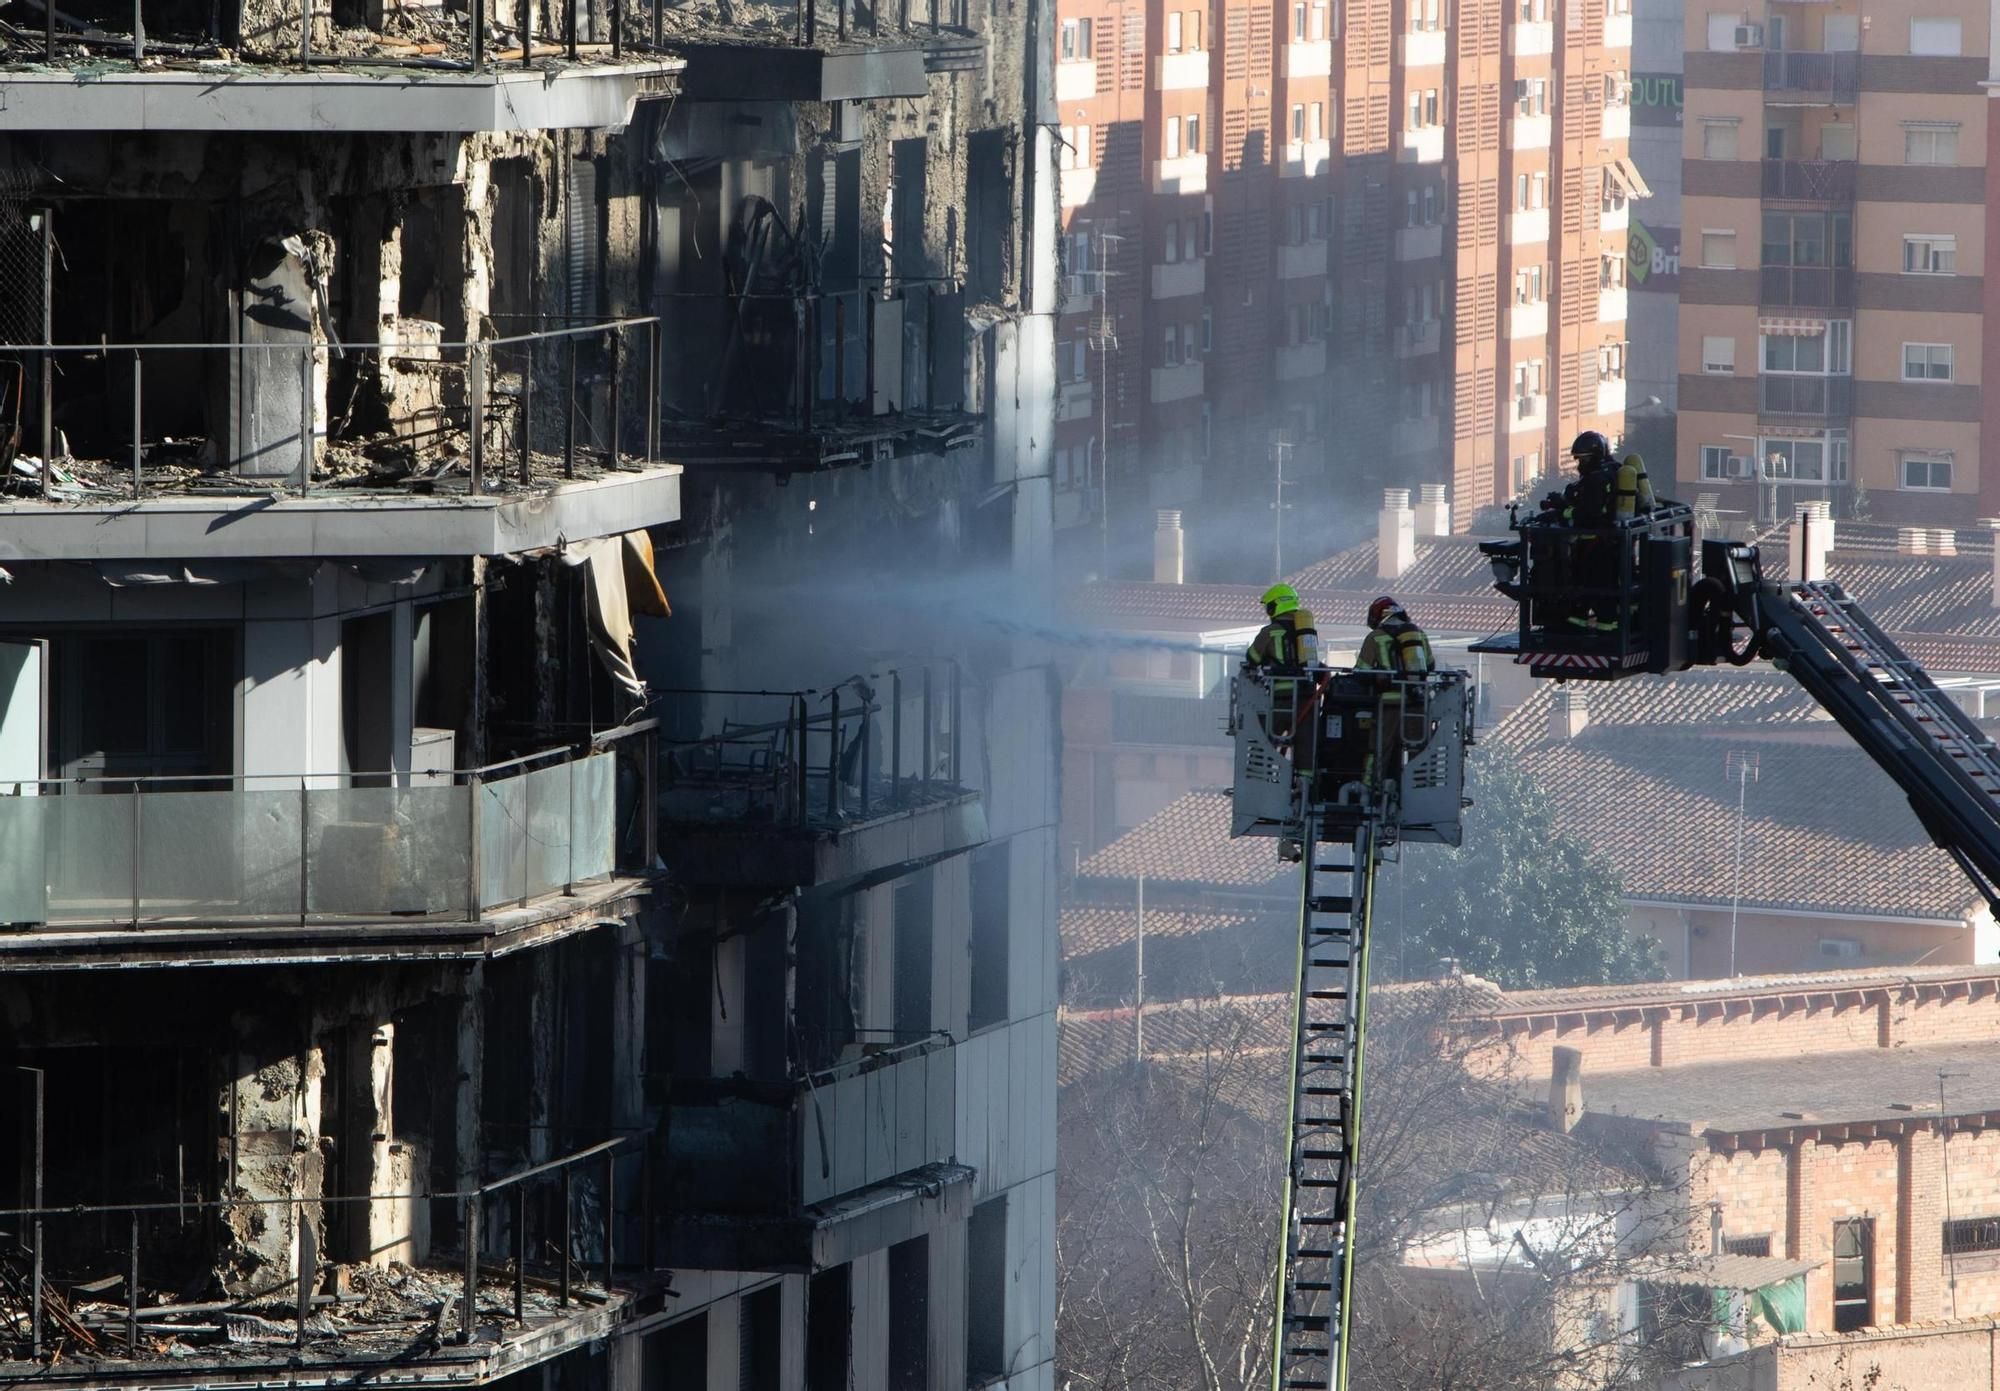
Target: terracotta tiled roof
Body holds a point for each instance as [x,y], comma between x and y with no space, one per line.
[1702,699]
[1167,607]
[1490,1002]
[1091,1040]
[1444,565]
[1756,1094]
[1825,829]
[1187,842]
[1192,949]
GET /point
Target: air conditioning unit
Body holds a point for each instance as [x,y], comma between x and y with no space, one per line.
[1840,948]
[1739,466]
[1749,36]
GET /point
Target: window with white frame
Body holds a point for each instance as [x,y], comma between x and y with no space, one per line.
[1718,250]
[1531,96]
[1920,472]
[1173,137]
[1174,31]
[1299,118]
[1718,354]
[1617,89]
[1534,11]
[1530,285]
[1930,142]
[1075,152]
[1191,341]
[1170,346]
[1170,247]
[1075,40]
[1610,271]
[1618,7]
[1193,141]
[1207,331]
[1821,459]
[1930,255]
[1715,463]
[1611,362]
[1611,194]
[1299,22]
[1826,353]
[1927,362]
[1718,139]
[1424,16]
[1071,359]
[1936,38]
[1531,191]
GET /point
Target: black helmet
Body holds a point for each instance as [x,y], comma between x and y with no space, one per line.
[1590,449]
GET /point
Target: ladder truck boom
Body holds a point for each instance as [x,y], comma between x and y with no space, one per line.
[1639,572]
[1341,767]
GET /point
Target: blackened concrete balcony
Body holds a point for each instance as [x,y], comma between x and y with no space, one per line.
[273,869]
[811,1170]
[782,383]
[790,789]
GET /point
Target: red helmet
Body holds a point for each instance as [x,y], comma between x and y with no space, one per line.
[1381,609]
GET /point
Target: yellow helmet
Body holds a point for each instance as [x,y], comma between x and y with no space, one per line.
[1280,598]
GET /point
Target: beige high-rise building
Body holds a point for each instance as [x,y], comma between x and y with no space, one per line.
[1833,238]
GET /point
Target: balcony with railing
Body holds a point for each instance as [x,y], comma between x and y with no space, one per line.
[1811,79]
[1818,182]
[528,434]
[559,1251]
[347,861]
[786,383]
[1806,287]
[770,1161]
[789,789]
[1815,398]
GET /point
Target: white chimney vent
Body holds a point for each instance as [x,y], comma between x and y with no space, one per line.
[1433,511]
[1169,549]
[1944,541]
[1811,540]
[1913,540]
[1992,525]
[1395,535]
[1569,714]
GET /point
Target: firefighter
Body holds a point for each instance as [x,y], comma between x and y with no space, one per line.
[1394,643]
[1395,647]
[1289,642]
[1588,503]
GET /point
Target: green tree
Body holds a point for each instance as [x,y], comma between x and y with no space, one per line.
[1523,903]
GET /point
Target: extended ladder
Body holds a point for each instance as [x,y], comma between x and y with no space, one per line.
[1329,1019]
[1920,736]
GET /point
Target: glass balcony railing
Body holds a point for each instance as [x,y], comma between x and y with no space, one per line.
[1807,287]
[453,845]
[1820,397]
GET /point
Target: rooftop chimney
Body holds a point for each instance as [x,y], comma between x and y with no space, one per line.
[1395,535]
[1811,539]
[1565,1088]
[1944,541]
[1569,715]
[1433,511]
[1169,550]
[1913,540]
[1992,525]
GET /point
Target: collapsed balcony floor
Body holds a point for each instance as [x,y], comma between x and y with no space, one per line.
[154,944]
[404,1330]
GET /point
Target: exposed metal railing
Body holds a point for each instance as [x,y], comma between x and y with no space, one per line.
[557,1174]
[794,757]
[473,384]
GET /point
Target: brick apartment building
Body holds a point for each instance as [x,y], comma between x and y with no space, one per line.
[1843,1119]
[1833,229]
[1348,245]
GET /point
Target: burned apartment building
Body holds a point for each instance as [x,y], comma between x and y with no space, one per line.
[521,851]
